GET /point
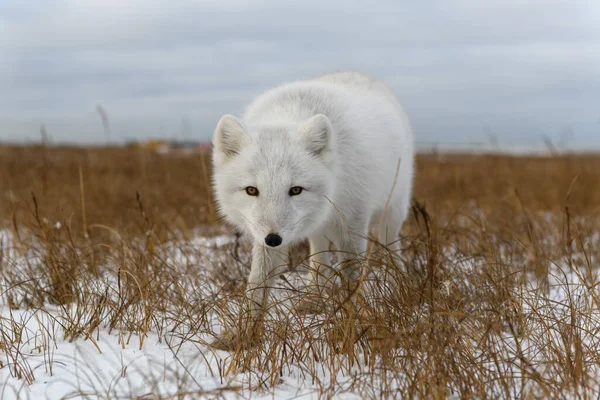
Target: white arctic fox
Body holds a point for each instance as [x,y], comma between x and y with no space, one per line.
[318,160]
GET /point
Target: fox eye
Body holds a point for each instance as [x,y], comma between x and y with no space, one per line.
[295,191]
[251,191]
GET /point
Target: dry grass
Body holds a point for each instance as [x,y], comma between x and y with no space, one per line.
[497,294]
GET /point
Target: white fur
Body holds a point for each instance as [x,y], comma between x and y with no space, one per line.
[338,136]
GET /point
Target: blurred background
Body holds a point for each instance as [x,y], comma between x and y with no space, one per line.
[507,75]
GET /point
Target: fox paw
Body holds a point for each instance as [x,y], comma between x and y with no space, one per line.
[310,303]
[233,340]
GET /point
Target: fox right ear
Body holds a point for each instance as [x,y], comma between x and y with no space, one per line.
[229,137]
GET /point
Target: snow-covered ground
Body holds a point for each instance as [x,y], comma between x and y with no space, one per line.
[39,362]
[116,366]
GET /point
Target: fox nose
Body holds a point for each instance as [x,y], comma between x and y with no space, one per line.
[273,240]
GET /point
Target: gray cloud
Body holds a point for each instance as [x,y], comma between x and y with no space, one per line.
[463,69]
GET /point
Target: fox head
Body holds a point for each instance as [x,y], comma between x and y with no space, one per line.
[274,181]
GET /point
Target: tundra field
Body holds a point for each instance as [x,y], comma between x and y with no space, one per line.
[115,273]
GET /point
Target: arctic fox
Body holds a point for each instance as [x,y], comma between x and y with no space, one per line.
[318,159]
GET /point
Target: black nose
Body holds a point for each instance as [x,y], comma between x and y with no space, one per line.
[273,240]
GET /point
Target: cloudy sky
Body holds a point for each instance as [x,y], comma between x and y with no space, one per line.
[467,71]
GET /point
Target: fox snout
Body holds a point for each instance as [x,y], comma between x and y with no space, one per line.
[273,240]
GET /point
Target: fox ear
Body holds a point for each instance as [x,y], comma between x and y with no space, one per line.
[229,137]
[317,135]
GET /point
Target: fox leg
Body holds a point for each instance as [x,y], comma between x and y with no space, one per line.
[264,262]
[320,275]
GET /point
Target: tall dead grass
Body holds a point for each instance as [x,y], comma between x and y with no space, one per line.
[496,295]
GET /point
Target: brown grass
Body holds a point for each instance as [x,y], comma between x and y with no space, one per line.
[472,311]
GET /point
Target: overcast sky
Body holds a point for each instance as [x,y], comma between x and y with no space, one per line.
[465,70]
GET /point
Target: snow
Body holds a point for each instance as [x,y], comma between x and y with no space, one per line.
[44,364]
[117,368]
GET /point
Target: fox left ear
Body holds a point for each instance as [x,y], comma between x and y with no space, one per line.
[317,135]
